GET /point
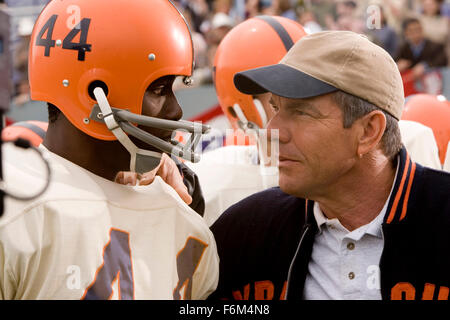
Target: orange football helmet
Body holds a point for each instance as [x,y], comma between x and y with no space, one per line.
[120,46]
[432,112]
[33,131]
[256,42]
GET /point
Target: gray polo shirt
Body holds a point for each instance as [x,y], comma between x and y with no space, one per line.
[344,265]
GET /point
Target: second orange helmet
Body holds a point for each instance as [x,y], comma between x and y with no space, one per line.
[256,42]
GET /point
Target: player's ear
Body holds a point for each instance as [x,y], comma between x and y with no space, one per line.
[372,127]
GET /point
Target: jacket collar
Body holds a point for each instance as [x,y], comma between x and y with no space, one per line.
[397,208]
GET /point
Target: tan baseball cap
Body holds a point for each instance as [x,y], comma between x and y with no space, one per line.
[328,61]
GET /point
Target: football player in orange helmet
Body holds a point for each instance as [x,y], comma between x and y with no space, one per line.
[106,69]
[101,78]
[434,113]
[229,174]
[104,77]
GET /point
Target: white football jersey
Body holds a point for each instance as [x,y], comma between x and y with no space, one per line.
[89,238]
[230,174]
[420,143]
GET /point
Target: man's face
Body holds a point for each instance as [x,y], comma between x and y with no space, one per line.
[414,33]
[315,149]
[159,102]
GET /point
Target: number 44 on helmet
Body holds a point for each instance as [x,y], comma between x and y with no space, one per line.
[97,70]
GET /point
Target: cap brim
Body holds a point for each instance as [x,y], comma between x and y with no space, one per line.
[281,80]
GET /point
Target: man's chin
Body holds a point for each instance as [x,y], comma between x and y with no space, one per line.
[291,186]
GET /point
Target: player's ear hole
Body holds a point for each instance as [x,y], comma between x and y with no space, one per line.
[94,84]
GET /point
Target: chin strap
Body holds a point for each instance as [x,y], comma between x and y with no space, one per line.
[140,160]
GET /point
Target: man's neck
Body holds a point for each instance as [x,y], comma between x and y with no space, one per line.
[103,158]
[357,201]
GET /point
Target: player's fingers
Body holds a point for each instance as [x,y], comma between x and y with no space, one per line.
[147,178]
[129,178]
[119,177]
[168,171]
[126,178]
[171,175]
[184,194]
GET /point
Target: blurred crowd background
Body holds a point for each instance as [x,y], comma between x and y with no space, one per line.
[414,32]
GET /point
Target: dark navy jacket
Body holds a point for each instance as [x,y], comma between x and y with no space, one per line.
[260,257]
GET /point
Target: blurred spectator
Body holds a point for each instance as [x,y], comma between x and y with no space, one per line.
[22,94]
[435,26]
[282,8]
[419,53]
[268,7]
[384,35]
[218,6]
[347,17]
[199,11]
[220,25]
[324,10]
[223,6]
[199,42]
[418,59]
[445,9]
[307,19]
[25,3]
[286,9]
[237,10]
[254,8]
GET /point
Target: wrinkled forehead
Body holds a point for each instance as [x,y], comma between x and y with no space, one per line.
[313,101]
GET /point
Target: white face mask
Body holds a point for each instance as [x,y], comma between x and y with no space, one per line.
[119,122]
[268,164]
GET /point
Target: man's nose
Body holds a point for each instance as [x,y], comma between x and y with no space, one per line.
[277,130]
[173,109]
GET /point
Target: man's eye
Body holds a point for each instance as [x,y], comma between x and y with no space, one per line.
[158,90]
[275,108]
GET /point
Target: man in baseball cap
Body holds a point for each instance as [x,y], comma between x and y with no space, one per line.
[329,61]
[351,206]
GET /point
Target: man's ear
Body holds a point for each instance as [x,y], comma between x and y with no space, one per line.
[373,126]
